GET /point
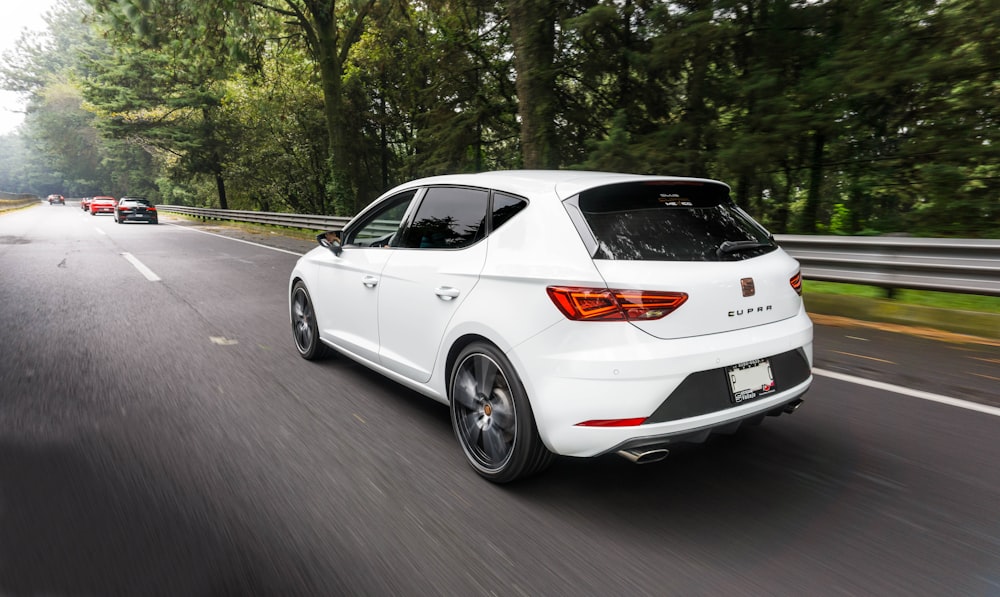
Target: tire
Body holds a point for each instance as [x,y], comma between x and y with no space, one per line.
[492,418]
[304,329]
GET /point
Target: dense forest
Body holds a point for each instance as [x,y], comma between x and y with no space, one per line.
[825,116]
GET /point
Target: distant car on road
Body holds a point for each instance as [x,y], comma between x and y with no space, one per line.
[102,205]
[57,200]
[85,203]
[135,209]
[558,312]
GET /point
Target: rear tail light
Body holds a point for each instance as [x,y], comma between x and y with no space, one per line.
[150,208]
[796,282]
[603,304]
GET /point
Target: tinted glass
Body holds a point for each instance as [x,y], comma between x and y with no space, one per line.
[671,222]
[505,207]
[379,226]
[448,218]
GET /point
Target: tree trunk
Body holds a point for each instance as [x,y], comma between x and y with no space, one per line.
[811,210]
[331,50]
[532,30]
[220,185]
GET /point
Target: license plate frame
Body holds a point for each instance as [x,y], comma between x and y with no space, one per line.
[750,380]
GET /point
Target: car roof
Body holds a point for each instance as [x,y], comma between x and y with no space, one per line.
[533,183]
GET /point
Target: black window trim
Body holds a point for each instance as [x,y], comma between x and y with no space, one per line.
[420,194]
[419,199]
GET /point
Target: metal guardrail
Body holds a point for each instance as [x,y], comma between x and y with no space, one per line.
[308,222]
[970,266]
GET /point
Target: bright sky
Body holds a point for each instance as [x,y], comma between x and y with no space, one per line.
[16,16]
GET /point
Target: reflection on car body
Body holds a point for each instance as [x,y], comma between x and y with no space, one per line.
[571,313]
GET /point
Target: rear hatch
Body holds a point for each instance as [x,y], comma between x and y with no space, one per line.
[686,235]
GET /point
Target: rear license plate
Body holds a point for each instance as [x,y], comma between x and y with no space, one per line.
[750,380]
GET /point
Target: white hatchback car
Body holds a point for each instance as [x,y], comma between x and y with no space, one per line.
[563,312]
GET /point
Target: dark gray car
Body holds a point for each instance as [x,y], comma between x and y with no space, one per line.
[135,209]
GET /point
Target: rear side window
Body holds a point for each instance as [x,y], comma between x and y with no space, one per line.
[670,221]
[505,207]
[448,218]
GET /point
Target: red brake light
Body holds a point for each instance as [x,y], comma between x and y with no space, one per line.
[604,304]
[796,282]
[150,208]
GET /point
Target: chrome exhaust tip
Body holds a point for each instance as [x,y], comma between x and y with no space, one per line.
[644,456]
[792,406]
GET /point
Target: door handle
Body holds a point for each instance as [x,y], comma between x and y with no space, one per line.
[370,281]
[447,292]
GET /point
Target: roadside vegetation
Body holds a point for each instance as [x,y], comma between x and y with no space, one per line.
[927,298]
[826,116]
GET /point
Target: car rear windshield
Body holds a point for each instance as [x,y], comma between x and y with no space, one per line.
[670,221]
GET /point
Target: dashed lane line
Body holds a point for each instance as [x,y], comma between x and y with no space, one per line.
[150,275]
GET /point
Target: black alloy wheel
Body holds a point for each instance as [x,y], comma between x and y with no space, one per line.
[304,328]
[492,417]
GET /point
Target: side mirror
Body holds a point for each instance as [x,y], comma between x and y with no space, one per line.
[331,241]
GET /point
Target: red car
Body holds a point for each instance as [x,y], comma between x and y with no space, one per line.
[85,203]
[102,205]
[54,199]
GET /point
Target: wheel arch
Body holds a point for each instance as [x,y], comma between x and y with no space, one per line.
[457,347]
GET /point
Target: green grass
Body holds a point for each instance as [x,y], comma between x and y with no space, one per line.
[927,298]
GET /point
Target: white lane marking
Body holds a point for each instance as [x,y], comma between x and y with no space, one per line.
[888,387]
[223,341]
[239,240]
[141,267]
[99,231]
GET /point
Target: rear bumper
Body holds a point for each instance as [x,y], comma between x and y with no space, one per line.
[137,218]
[577,372]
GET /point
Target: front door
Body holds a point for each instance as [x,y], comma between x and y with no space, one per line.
[431,271]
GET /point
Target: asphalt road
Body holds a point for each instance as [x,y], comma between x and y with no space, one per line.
[162,437]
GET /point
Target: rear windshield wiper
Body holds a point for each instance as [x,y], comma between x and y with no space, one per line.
[735,246]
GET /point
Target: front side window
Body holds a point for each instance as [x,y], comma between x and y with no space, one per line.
[379,226]
[447,218]
[670,221]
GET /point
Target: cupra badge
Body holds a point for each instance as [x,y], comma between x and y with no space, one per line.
[747,285]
